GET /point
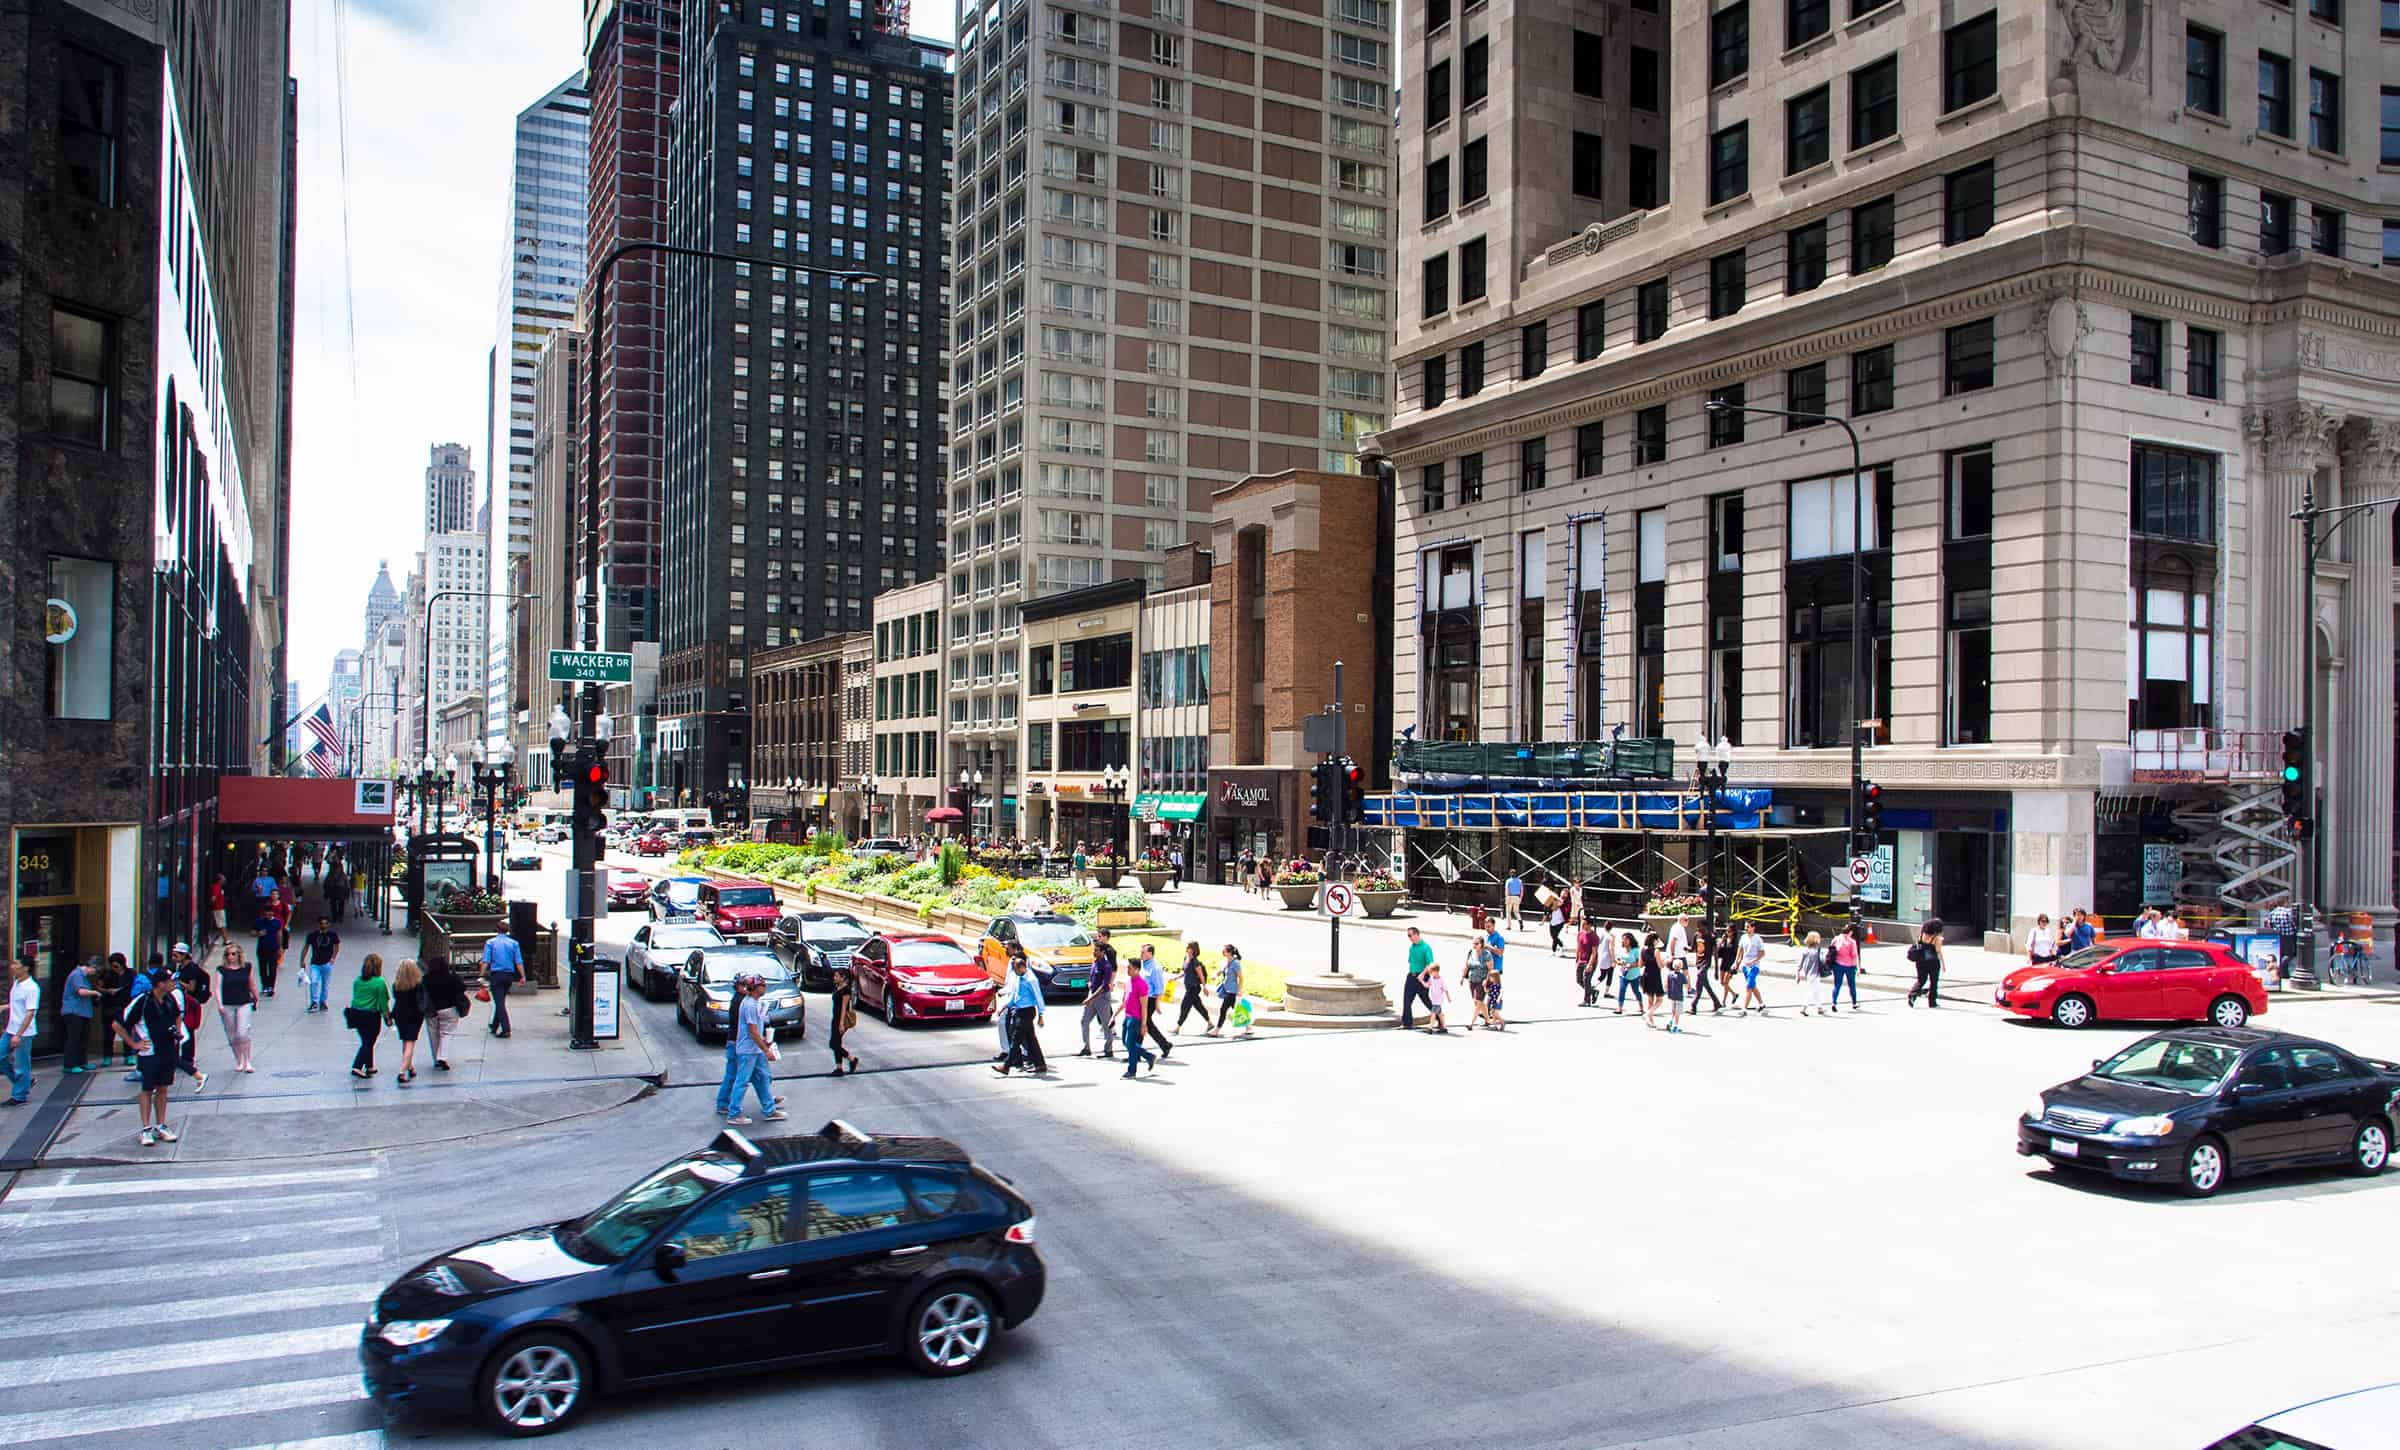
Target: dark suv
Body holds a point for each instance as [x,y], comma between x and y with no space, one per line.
[749,1255]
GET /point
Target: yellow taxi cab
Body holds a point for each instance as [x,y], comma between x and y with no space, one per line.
[1056,947]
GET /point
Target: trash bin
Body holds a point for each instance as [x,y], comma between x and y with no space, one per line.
[525,924]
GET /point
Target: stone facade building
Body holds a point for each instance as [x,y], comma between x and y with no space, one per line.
[905,760]
[2102,287]
[797,751]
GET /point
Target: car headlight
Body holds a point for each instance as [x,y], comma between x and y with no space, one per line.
[401,1333]
[2035,984]
[2157,1125]
[2035,1108]
[719,999]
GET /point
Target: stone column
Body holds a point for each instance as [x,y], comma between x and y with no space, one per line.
[2359,769]
[2292,440]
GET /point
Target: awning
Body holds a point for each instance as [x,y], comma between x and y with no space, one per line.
[1165,805]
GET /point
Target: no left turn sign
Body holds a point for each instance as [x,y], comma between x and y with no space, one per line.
[1860,871]
[1339,899]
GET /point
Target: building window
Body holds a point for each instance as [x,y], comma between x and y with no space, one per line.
[1729,163]
[2325,112]
[79,623]
[2274,94]
[1650,621]
[1725,617]
[1804,397]
[1437,380]
[1437,285]
[1470,478]
[1533,463]
[1477,59]
[1804,258]
[1967,204]
[82,353]
[1725,416]
[1967,597]
[1874,102]
[1642,176]
[1591,63]
[1437,188]
[1470,370]
[1437,95]
[2274,223]
[1533,349]
[1823,697]
[1650,435]
[1474,173]
[1871,380]
[2329,11]
[88,123]
[2203,70]
[1586,165]
[1807,131]
[1590,438]
[1533,578]
[2200,348]
[1430,496]
[1871,235]
[2149,353]
[1470,271]
[1805,20]
[1591,327]
[2174,494]
[1967,357]
[1642,74]
[1437,15]
[1728,283]
[2170,643]
[2204,208]
[2391,127]
[1971,61]
[1729,43]
[1650,311]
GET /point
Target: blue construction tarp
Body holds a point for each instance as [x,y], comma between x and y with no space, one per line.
[1615,810]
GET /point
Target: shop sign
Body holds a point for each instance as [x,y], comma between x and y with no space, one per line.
[373,798]
[2162,871]
[1878,887]
[45,865]
[1245,797]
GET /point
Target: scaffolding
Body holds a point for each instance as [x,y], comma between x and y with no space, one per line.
[2226,801]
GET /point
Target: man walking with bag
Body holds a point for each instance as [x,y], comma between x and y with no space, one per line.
[1100,1003]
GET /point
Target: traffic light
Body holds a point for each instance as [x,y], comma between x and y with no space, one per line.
[1319,807]
[1354,790]
[2295,781]
[1870,812]
[591,795]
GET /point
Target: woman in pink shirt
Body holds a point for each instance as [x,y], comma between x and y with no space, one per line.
[1137,998]
[1845,970]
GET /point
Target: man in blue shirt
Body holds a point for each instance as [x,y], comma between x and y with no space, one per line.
[503,963]
[1514,895]
[1024,1015]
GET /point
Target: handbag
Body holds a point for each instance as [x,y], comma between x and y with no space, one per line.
[483,994]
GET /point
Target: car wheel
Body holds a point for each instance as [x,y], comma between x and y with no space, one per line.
[682,1019]
[537,1384]
[2371,1147]
[2072,1011]
[889,1019]
[2228,1011]
[950,1330]
[2205,1168]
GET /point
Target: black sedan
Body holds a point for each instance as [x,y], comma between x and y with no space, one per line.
[704,992]
[745,1256]
[813,943]
[2197,1106]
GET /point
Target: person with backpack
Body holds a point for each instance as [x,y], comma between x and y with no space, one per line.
[191,980]
[1926,956]
[150,1029]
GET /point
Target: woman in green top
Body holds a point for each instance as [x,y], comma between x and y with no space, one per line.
[370,1002]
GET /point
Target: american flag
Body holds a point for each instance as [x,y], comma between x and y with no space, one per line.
[323,758]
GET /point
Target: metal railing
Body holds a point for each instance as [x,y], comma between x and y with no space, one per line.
[1629,758]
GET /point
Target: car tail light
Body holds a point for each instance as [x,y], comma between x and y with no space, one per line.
[1021,1233]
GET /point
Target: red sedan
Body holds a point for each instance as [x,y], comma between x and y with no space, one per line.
[2135,980]
[923,976]
[652,845]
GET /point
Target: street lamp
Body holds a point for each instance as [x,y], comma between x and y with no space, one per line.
[491,776]
[1710,765]
[1113,781]
[867,786]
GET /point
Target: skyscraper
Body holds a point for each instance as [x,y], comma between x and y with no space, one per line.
[1174,241]
[383,604]
[450,490]
[541,276]
[804,410]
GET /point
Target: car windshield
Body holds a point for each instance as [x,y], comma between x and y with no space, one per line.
[2172,1063]
[619,1226]
[929,954]
[670,938]
[2090,956]
[722,967]
[844,935]
[683,891]
[1052,934]
[746,896]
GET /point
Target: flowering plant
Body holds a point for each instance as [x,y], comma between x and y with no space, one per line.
[1377,881]
[1297,872]
[1674,904]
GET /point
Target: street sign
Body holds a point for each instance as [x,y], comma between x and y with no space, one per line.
[587,666]
[1340,900]
[1320,734]
[1861,870]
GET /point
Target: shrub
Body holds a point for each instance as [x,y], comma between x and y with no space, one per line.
[954,861]
[826,843]
[1297,872]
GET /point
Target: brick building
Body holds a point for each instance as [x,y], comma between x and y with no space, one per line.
[796,731]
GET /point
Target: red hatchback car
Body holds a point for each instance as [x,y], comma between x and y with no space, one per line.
[923,976]
[2132,979]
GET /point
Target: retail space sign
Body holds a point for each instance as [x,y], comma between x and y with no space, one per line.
[2162,872]
[590,667]
[373,798]
[1877,884]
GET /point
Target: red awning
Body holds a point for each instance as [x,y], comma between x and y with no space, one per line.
[295,805]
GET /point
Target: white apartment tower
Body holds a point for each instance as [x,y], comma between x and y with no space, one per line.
[450,503]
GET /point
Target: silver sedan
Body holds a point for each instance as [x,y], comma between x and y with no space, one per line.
[661,950]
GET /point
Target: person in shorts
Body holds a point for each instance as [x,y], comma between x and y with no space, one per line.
[152,1029]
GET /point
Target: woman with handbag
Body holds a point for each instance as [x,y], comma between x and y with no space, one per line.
[447,1006]
[1927,955]
[370,1000]
[844,1017]
[408,1015]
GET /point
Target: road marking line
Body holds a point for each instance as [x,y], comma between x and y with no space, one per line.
[152,1273]
[190,1354]
[256,1204]
[91,1188]
[248,1400]
[184,1311]
[363,1440]
[315,1228]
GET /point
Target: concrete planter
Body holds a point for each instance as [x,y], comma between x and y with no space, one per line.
[1381,903]
[1105,877]
[1298,898]
[1153,882]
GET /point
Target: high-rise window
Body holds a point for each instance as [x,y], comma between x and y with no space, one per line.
[1967,357]
[1967,596]
[1470,478]
[1591,330]
[1729,163]
[1971,61]
[1587,164]
[1534,350]
[1437,95]
[2149,353]
[1807,134]
[79,667]
[1591,63]
[1643,71]
[1471,285]
[1874,102]
[1590,442]
[1437,188]
[1728,283]
[1477,82]
[1643,189]
[1650,435]
[2274,223]
[2203,70]
[2174,494]
[2200,350]
[1805,20]
[1871,380]
[88,94]
[1804,258]
[2325,112]
[1804,396]
[1650,311]
[2391,127]
[2204,208]
[1725,417]
[82,358]
[1437,285]
[1871,235]
[2274,93]
[1533,463]
[1474,171]
[1436,381]
[2325,231]
[1470,370]
[1431,496]
[1729,43]
[1967,204]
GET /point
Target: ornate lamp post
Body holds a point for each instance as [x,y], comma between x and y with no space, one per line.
[1710,765]
[492,777]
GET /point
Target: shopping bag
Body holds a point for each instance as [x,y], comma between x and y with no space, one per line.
[1242,1012]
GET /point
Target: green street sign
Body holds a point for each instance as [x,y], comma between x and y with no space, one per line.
[581,666]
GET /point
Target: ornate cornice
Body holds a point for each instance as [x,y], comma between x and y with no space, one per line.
[2372,446]
[1891,767]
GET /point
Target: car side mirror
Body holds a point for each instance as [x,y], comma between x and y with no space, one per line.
[2241,1090]
[669,1258]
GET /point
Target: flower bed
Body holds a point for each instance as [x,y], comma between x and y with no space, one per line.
[974,889]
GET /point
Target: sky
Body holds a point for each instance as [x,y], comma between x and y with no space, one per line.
[399,270]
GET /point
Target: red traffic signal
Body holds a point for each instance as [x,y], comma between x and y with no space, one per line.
[597,773]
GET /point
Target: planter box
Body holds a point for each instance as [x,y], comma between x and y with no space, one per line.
[1105,877]
[1153,882]
[1114,920]
[1664,924]
[1381,903]
[1298,898]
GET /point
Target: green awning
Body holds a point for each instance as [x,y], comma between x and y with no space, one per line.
[1154,805]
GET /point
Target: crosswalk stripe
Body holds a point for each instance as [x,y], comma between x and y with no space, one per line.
[29,1427]
[192,1354]
[86,1188]
[151,1273]
[312,1229]
[11,1221]
[185,1311]
[363,1440]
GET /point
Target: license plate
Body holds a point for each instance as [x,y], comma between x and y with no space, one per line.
[1070,981]
[2065,1147]
[955,1004]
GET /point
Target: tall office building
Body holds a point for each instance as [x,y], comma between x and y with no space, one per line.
[1174,270]
[450,501]
[541,277]
[804,411]
[455,626]
[552,621]
[2103,288]
[383,604]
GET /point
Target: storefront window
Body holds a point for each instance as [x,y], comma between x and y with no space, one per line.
[79,625]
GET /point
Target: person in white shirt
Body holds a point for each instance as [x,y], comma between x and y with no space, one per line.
[2170,927]
[24,1014]
[2041,947]
[2146,927]
[1679,939]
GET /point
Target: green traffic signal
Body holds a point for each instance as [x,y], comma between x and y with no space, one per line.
[2291,773]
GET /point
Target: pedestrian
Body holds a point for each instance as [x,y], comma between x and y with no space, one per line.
[1722,951]
[262,889]
[1437,996]
[270,951]
[1491,998]
[24,1017]
[1512,897]
[1266,874]
[337,891]
[115,982]
[237,1002]
[1229,988]
[1100,1002]
[191,981]
[1195,987]
[1629,965]
[1156,976]
[842,1018]
[1698,980]
[149,1029]
[503,963]
[446,1006]
[1927,956]
[1813,976]
[1249,869]
[76,1003]
[1412,985]
[370,1002]
[1679,937]
[1587,961]
[1024,1018]
[1477,970]
[1175,870]
[216,910]
[1654,980]
[1750,956]
[1675,984]
[1137,997]
[408,1015]
[2145,926]
[318,952]
[2041,944]
[1845,969]
[750,1051]
[2084,932]
[2170,927]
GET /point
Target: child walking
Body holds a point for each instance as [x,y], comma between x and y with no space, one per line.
[1437,995]
[1675,984]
